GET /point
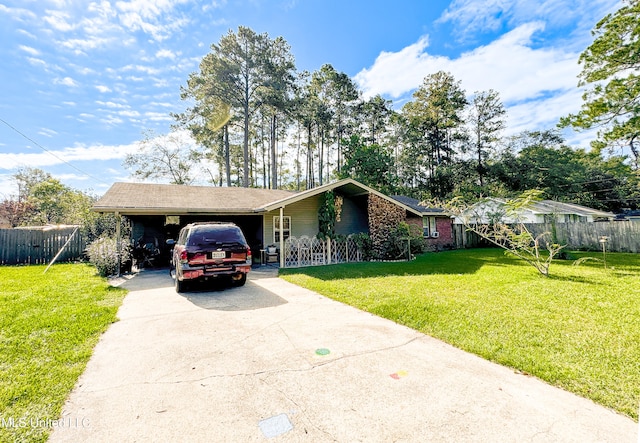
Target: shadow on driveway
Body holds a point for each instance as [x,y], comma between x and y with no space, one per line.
[215,294]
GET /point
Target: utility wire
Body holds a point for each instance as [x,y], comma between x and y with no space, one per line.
[52,154]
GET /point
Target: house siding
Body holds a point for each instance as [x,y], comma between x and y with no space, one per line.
[304,218]
[353,218]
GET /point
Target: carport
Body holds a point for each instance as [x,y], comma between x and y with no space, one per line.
[158,211]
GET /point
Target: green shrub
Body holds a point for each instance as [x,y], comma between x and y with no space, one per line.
[103,254]
[364,244]
[395,245]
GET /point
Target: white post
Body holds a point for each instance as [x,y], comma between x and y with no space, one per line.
[280,225]
[118,242]
[329,251]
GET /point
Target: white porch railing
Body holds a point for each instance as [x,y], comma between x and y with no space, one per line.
[307,251]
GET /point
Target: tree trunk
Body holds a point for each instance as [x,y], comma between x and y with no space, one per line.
[274,156]
[245,181]
[320,155]
[227,154]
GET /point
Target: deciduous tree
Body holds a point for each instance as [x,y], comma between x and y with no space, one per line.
[611,66]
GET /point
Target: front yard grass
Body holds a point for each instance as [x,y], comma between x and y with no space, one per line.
[578,329]
[49,324]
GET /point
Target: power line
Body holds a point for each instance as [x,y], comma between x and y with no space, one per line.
[52,154]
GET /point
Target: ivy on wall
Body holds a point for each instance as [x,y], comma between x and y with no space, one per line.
[327,216]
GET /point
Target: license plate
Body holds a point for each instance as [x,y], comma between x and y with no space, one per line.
[218,254]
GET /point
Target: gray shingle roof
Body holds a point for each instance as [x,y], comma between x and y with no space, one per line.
[146,198]
[415,204]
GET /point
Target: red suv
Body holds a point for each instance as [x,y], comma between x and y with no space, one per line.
[210,250]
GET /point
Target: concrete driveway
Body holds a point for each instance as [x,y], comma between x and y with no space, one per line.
[274,362]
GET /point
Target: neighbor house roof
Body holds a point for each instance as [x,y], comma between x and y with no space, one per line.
[554,207]
[149,198]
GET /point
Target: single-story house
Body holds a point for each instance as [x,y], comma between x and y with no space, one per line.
[437,225]
[267,217]
[629,215]
[546,211]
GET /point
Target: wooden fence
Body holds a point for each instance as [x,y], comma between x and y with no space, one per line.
[39,245]
[622,236]
[463,238]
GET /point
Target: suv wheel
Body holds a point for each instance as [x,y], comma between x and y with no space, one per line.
[181,285]
[239,281]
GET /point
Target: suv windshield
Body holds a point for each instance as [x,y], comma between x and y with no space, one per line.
[215,235]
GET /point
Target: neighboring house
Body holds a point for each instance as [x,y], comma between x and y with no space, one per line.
[629,215]
[266,217]
[545,211]
[437,226]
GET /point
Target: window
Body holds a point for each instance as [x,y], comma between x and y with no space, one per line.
[285,229]
[428,226]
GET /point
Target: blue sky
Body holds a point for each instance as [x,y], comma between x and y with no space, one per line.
[83,80]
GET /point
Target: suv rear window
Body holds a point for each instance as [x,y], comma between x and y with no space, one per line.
[210,235]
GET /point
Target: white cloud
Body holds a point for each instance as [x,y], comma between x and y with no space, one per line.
[72,154]
[19,14]
[510,65]
[58,20]
[157,116]
[47,132]
[103,88]
[112,105]
[29,50]
[157,18]
[130,114]
[66,81]
[472,16]
[69,177]
[141,68]
[166,53]
[37,62]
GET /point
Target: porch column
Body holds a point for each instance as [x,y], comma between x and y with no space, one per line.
[118,242]
[281,237]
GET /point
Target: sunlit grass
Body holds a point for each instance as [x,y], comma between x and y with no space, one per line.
[578,329]
[49,324]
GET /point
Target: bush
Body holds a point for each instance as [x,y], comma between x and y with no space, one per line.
[364,244]
[395,245]
[103,254]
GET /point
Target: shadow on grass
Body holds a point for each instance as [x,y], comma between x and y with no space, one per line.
[456,262]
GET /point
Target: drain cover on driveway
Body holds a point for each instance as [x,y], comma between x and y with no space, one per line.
[274,426]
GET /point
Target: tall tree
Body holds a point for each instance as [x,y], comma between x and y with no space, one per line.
[277,94]
[341,96]
[370,164]
[238,73]
[436,115]
[374,115]
[611,65]
[486,120]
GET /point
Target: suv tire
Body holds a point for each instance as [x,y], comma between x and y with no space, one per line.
[240,282]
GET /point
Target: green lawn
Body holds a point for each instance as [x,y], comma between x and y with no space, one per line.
[578,329]
[49,324]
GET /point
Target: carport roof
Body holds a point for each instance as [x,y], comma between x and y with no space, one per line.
[156,199]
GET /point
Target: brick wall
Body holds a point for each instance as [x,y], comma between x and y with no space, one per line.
[444,226]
